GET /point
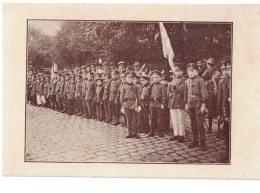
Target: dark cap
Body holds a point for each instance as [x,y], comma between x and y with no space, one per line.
[130,73]
[121,63]
[115,72]
[156,72]
[192,66]
[136,64]
[146,77]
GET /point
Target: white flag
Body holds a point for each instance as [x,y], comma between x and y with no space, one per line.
[167,48]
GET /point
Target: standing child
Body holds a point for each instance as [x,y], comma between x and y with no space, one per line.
[114,107]
[37,91]
[46,90]
[90,94]
[195,96]
[98,98]
[157,98]
[78,100]
[177,105]
[71,95]
[130,98]
[43,99]
[106,97]
[144,103]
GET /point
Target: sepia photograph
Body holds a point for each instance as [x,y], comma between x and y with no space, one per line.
[122,91]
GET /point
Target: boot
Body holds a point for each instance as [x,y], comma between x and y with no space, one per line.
[137,136]
[173,138]
[181,139]
[193,144]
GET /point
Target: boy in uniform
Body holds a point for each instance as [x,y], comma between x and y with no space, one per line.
[71,95]
[90,94]
[157,99]
[195,96]
[83,95]
[57,92]
[105,97]
[78,101]
[129,98]
[46,90]
[114,108]
[177,105]
[64,94]
[32,90]
[43,99]
[98,98]
[144,103]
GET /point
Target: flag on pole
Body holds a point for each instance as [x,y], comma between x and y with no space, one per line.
[166,44]
[54,68]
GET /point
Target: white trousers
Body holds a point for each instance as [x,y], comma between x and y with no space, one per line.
[40,99]
[177,118]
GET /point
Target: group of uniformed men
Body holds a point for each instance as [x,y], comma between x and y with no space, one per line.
[105,92]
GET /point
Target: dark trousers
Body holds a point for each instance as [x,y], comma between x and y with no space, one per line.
[78,104]
[33,99]
[156,120]
[71,103]
[212,109]
[198,130]
[144,119]
[131,116]
[107,111]
[114,110]
[226,135]
[99,111]
[91,108]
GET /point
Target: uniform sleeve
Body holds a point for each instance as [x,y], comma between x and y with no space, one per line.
[138,95]
[203,90]
[122,93]
[180,87]
[185,91]
[164,95]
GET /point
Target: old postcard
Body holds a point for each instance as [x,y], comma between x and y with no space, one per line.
[167,91]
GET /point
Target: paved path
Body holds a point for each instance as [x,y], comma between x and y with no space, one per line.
[55,137]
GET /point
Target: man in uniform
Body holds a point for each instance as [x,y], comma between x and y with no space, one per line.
[195,96]
[105,97]
[78,101]
[129,98]
[121,67]
[157,99]
[136,67]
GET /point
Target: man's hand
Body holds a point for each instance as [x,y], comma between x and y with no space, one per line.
[162,106]
[170,94]
[186,107]
[203,108]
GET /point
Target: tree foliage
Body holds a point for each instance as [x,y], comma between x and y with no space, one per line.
[81,42]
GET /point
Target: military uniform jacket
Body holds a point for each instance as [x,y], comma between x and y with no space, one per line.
[176,101]
[143,91]
[53,87]
[78,89]
[33,85]
[224,97]
[158,95]
[114,86]
[129,96]
[41,88]
[195,92]
[83,87]
[106,91]
[66,85]
[99,93]
[37,88]
[71,90]
[90,90]
[46,88]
